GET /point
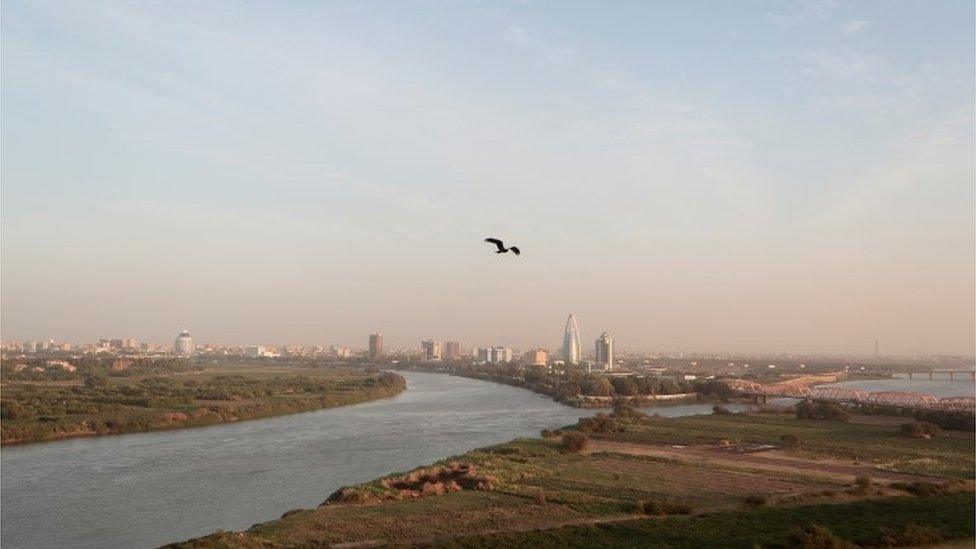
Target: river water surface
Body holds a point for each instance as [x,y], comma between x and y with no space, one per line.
[146,489]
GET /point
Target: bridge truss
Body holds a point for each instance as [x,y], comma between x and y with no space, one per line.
[900,399]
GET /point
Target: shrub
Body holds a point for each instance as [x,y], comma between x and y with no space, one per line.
[790,441]
[863,482]
[600,423]
[920,489]
[13,410]
[757,500]
[721,410]
[821,410]
[772,409]
[625,412]
[575,441]
[815,536]
[919,429]
[915,534]
[952,420]
[661,508]
[546,433]
[91,382]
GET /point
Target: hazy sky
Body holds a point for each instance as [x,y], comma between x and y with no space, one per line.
[716,176]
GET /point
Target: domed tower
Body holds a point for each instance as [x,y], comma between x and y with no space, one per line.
[572,351]
[184,344]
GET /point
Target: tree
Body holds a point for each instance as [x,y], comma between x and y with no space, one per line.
[597,386]
[92,382]
[574,441]
[624,386]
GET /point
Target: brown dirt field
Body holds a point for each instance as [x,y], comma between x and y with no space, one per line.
[708,485]
[768,461]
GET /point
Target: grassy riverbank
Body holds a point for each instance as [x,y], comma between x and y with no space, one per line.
[36,411]
[573,387]
[706,481]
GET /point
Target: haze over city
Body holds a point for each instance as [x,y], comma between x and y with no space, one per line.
[792,178]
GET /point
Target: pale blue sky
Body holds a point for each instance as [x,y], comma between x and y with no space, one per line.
[724,176]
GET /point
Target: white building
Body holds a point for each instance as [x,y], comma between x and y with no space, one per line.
[501,355]
[572,352]
[184,344]
[495,355]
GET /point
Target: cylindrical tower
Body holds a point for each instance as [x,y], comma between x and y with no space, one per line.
[184,344]
[572,352]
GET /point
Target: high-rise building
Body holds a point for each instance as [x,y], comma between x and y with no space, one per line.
[452,350]
[375,346]
[572,352]
[494,355]
[501,355]
[538,357]
[604,350]
[432,350]
[184,344]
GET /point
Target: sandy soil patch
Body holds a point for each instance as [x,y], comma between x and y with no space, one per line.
[770,460]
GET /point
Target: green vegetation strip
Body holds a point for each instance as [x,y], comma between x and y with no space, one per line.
[872,522]
[49,410]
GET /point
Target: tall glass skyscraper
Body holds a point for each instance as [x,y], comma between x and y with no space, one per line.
[572,352]
[604,351]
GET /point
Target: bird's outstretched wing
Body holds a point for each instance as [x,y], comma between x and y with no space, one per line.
[496,242]
[515,250]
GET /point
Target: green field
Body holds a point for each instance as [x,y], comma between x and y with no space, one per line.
[893,521]
[97,405]
[949,454]
[675,482]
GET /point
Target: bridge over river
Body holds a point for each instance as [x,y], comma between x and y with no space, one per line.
[899,399]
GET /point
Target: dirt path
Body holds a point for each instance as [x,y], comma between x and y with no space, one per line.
[811,379]
[768,461]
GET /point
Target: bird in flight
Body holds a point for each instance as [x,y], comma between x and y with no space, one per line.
[501,247]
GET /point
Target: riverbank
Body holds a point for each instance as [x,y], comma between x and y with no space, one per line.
[579,390]
[701,481]
[54,410]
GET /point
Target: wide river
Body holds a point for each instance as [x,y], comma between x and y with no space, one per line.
[146,489]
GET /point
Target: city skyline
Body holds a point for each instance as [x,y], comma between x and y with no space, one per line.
[770,178]
[445,347]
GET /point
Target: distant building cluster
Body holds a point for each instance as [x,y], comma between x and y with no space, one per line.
[431,350]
